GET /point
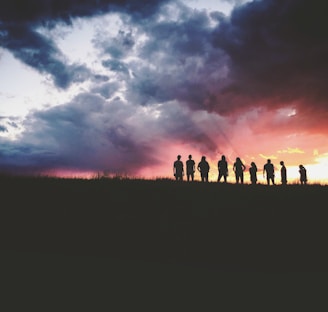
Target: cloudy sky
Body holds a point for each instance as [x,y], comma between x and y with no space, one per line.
[123,87]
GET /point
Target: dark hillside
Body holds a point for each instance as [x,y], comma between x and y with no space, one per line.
[224,227]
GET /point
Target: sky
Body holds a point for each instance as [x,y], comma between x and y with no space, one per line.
[108,87]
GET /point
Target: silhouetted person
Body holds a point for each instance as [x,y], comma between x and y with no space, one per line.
[268,169]
[253,173]
[283,173]
[190,165]
[223,169]
[303,177]
[203,167]
[238,168]
[178,169]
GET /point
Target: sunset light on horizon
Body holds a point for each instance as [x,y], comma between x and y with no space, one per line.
[120,88]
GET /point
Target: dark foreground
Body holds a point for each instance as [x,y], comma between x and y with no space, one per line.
[173,236]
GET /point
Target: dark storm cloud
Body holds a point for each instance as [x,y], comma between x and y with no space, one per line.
[3,129]
[38,52]
[278,52]
[267,53]
[181,63]
[45,11]
[21,158]
[19,20]
[275,49]
[85,134]
[92,134]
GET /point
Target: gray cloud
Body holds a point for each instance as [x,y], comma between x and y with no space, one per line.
[116,66]
[106,90]
[119,46]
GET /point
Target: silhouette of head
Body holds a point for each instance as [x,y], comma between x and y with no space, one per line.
[282,163]
[301,166]
[179,157]
[269,161]
[238,159]
[189,156]
[252,163]
[203,158]
[223,157]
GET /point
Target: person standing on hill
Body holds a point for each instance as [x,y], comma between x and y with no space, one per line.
[253,173]
[268,169]
[178,169]
[223,169]
[303,176]
[283,173]
[204,168]
[239,168]
[190,165]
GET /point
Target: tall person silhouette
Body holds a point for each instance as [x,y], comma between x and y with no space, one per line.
[283,173]
[178,169]
[253,172]
[223,169]
[204,168]
[190,165]
[239,168]
[268,169]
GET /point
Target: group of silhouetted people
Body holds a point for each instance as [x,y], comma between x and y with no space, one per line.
[203,167]
[238,167]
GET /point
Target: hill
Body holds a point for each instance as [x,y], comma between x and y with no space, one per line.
[119,244]
[224,227]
